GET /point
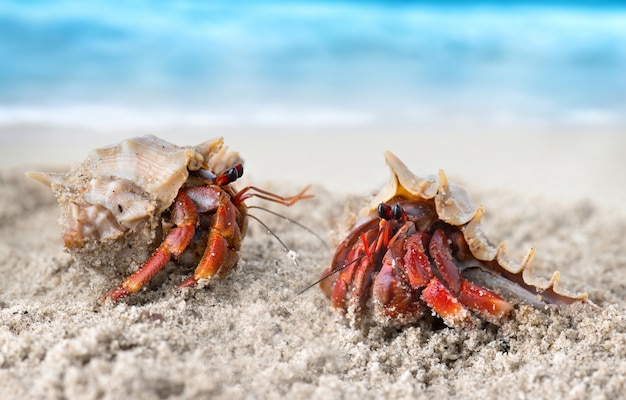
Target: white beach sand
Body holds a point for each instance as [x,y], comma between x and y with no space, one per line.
[253,336]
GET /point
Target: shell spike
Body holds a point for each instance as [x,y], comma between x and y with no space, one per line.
[505,262]
[554,281]
[476,240]
[529,258]
[453,203]
[47,178]
[443,182]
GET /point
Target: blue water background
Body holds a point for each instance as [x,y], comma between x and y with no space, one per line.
[311,62]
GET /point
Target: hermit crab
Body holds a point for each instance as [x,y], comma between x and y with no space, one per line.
[145,195]
[417,247]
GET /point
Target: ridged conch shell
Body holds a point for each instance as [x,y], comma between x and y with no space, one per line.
[111,203]
[491,266]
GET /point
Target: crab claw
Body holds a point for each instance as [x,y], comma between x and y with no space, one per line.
[442,255]
[443,302]
[416,263]
[394,298]
[475,297]
[402,274]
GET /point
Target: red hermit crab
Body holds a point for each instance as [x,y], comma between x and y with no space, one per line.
[144,193]
[418,246]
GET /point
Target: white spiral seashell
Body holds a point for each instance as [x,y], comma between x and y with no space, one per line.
[113,200]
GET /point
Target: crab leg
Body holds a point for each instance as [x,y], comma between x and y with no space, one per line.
[185,217]
[442,301]
[445,298]
[362,279]
[342,283]
[358,261]
[393,293]
[483,301]
[405,270]
[344,258]
[247,193]
[416,263]
[223,244]
[440,252]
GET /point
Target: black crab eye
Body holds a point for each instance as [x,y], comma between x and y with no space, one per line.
[232,175]
[229,176]
[239,169]
[384,211]
[397,211]
[388,212]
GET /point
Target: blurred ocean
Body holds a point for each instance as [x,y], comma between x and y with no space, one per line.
[140,62]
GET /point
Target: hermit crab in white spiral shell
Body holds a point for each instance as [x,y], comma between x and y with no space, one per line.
[125,200]
[418,246]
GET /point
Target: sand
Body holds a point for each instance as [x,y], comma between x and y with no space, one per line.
[253,336]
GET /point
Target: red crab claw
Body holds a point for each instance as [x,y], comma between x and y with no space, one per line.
[228,223]
[449,297]
[185,216]
[416,262]
[393,294]
[224,240]
[404,271]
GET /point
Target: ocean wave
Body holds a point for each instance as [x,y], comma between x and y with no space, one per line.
[106,119]
[345,55]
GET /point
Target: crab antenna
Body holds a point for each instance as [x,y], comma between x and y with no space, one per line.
[329,274]
[267,228]
[291,221]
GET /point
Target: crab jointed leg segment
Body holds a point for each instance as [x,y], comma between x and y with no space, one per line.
[443,302]
[406,270]
[185,217]
[441,254]
[477,298]
[223,244]
[483,301]
[356,260]
[253,191]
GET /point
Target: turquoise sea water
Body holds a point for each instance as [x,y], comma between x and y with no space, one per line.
[312,62]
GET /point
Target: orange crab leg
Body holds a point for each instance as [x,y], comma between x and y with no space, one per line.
[363,275]
[245,194]
[185,217]
[340,288]
[223,244]
[386,283]
[343,259]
